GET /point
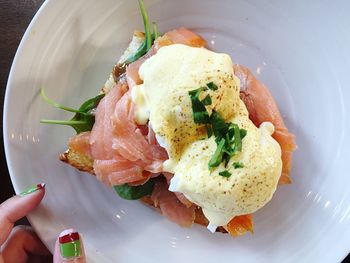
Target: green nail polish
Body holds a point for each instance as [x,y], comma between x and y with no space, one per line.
[70,246]
[32,189]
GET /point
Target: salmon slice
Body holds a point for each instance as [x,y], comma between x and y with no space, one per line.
[132,72]
[262,107]
[121,149]
[182,198]
[102,131]
[178,36]
[129,140]
[170,206]
[239,225]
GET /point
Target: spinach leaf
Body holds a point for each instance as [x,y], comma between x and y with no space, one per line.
[149,37]
[128,192]
[83,120]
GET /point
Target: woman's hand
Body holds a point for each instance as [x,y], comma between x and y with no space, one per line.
[20,244]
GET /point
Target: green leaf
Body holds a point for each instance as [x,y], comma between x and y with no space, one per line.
[149,39]
[216,159]
[206,100]
[155,34]
[209,130]
[237,165]
[128,192]
[237,138]
[243,133]
[200,114]
[139,53]
[90,104]
[55,104]
[218,124]
[83,120]
[212,86]
[225,173]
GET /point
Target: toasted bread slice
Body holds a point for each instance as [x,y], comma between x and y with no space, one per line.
[78,160]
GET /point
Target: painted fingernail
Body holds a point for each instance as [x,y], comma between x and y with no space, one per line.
[32,189]
[70,246]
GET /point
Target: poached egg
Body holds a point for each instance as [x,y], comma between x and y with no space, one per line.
[164,102]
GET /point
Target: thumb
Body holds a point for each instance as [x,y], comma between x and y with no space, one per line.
[69,248]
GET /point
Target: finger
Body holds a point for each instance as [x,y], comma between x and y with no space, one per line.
[22,243]
[69,248]
[17,207]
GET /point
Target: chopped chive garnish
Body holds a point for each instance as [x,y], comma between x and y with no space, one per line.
[228,136]
[212,86]
[217,156]
[225,173]
[209,130]
[200,114]
[237,165]
[218,124]
[207,100]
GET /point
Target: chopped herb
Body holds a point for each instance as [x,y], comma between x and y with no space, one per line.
[228,136]
[200,114]
[225,173]
[216,159]
[207,100]
[212,86]
[243,133]
[83,119]
[218,124]
[209,130]
[128,192]
[237,165]
[201,117]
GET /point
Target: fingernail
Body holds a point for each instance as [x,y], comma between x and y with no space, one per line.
[32,189]
[70,246]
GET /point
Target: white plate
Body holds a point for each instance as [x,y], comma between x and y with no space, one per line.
[300,49]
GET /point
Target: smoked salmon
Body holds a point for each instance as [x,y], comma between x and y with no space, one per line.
[239,225]
[170,206]
[120,149]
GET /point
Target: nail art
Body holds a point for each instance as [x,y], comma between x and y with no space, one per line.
[70,247]
[32,189]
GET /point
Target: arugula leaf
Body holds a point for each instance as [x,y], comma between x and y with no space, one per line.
[128,192]
[155,34]
[225,173]
[55,104]
[83,120]
[149,38]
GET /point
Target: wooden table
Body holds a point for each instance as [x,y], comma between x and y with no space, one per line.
[15,15]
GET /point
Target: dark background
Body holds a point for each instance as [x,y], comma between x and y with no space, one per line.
[15,15]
